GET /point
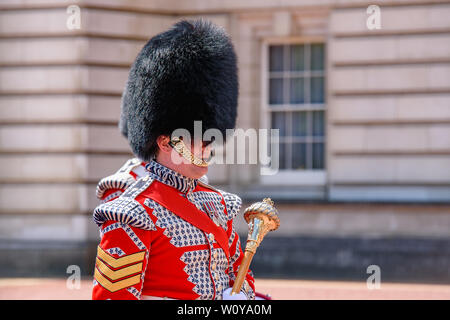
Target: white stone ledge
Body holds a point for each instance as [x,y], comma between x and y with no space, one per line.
[400,48]
[124,23]
[54,109]
[27,3]
[359,220]
[391,108]
[43,198]
[386,193]
[33,21]
[48,227]
[57,168]
[390,78]
[13,51]
[53,21]
[390,169]
[113,51]
[62,138]
[419,139]
[401,18]
[63,79]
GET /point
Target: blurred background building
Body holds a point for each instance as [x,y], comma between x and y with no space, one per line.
[364,119]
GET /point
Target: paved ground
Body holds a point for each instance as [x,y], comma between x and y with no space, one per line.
[56,289]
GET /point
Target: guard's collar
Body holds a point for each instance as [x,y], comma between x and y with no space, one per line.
[170,177]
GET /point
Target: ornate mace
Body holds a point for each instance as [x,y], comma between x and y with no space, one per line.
[261,217]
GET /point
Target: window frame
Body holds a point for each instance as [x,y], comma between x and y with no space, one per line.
[307,177]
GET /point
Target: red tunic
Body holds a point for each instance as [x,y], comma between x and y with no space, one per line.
[148,248]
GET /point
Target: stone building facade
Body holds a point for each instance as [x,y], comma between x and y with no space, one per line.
[363,114]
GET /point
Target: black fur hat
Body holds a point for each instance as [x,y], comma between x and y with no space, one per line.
[185,74]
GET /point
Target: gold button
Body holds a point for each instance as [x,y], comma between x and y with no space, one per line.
[217,276]
[214,266]
[211,237]
[215,255]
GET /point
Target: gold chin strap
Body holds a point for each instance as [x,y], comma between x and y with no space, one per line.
[181,149]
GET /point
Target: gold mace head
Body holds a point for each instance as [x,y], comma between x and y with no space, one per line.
[262,217]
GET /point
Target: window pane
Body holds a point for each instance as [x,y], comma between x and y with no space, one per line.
[276,58]
[279,122]
[297,90]
[317,56]
[318,123]
[318,155]
[317,90]
[298,156]
[297,54]
[276,91]
[299,124]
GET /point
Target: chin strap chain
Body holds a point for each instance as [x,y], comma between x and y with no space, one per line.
[178,145]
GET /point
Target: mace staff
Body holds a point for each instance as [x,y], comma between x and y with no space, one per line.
[261,217]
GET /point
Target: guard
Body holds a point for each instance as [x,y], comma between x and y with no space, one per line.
[165,233]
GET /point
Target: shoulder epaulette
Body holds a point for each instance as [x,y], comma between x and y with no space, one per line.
[233,204]
[122,179]
[126,209]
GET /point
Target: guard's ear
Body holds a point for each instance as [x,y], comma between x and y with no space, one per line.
[163,143]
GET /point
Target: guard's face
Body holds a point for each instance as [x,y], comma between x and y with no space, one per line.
[189,158]
[202,150]
[197,166]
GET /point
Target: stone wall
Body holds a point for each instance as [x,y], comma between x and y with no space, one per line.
[387,107]
[389,97]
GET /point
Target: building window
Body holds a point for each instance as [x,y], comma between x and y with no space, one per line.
[296,103]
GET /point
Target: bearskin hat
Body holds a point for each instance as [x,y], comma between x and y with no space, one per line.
[185,74]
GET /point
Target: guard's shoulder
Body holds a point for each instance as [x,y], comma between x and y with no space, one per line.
[126,209]
[122,179]
[233,203]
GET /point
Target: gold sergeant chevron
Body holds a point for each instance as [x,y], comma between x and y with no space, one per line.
[122,261]
[120,273]
[109,269]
